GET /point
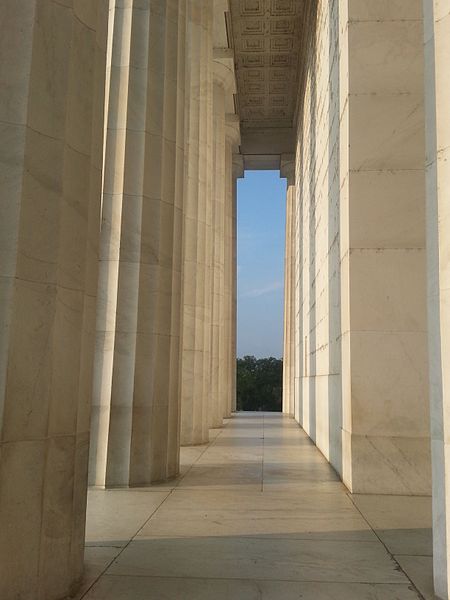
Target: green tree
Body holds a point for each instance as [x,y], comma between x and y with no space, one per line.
[259,383]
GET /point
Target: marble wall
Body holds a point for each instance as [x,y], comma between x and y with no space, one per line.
[383,260]
[362,393]
[316,376]
[52,69]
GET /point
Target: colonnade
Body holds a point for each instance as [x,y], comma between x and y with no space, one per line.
[164,296]
[118,167]
[117,283]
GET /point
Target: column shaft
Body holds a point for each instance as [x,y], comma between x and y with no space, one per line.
[227,291]
[53,61]
[296,341]
[229,380]
[194,400]
[287,326]
[238,171]
[144,176]
[290,305]
[116,102]
[208,176]
[217,335]
[437,36]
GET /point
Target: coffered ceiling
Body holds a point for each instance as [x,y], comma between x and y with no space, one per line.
[266,37]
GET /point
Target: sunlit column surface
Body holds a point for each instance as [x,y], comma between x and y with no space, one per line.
[437,53]
[288,171]
[142,242]
[223,84]
[53,58]
[194,397]
[287,321]
[238,172]
[232,146]
[217,404]
[116,111]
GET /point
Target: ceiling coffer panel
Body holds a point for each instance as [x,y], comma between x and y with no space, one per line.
[266,41]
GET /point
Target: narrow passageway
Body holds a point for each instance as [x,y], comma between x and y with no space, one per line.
[257,513]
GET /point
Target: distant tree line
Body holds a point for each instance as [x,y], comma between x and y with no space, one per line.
[259,383]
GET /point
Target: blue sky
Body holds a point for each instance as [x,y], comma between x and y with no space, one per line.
[261,230]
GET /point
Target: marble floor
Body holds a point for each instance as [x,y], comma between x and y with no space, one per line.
[256,514]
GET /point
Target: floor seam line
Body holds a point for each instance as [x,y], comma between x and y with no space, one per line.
[392,556]
[125,547]
[207,447]
[327,581]
[170,492]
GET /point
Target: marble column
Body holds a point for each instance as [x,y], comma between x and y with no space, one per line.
[287,326]
[208,174]
[138,391]
[226,339]
[385,424]
[229,373]
[223,83]
[52,69]
[117,77]
[238,172]
[288,171]
[217,408]
[437,89]
[198,160]
[296,339]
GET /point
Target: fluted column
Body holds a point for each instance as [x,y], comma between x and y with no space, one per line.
[207,175]
[238,172]
[194,397]
[223,83]
[218,255]
[288,171]
[287,329]
[229,378]
[143,193]
[437,36]
[117,76]
[52,69]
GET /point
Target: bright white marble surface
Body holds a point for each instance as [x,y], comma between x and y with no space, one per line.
[198,157]
[136,403]
[361,351]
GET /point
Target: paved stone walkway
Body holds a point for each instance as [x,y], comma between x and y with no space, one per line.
[256,514]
